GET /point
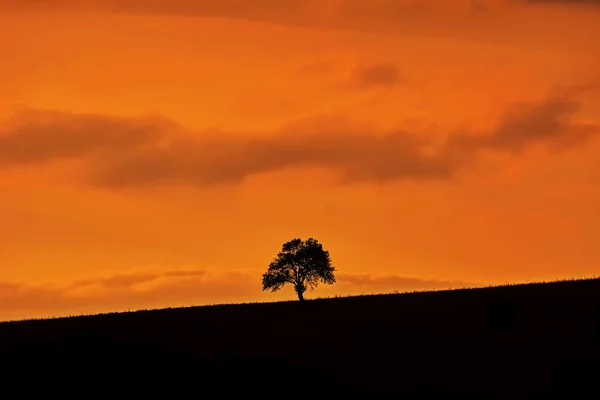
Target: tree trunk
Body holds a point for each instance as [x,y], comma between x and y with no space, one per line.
[300,294]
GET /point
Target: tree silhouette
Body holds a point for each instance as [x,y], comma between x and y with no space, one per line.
[303,264]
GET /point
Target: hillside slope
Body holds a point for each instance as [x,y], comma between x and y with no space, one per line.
[522,341]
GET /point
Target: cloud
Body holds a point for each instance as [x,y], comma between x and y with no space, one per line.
[257,9]
[390,282]
[564,1]
[336,14]
[299,11]
[302,12]
[155,287]
[389,16]
[37,136]
[140,152]
[356,155]
[524,124]
[135,289]
[530,25]
[377,75]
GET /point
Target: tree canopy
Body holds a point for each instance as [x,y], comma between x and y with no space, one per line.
[302,264]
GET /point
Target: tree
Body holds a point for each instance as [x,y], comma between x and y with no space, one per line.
[303,264]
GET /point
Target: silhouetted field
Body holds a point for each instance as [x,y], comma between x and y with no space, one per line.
[522,341]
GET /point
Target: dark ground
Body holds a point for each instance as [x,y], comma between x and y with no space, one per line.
[524,341]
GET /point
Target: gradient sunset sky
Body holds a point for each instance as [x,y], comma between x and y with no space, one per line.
[157,153]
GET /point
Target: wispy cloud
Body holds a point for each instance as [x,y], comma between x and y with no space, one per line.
[172,287]
[391,282]
[529,20]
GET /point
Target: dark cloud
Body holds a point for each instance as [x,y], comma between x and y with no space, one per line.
[129,152]
[386,75]
[522,125]
[139,152]
[36,136]
[359,156]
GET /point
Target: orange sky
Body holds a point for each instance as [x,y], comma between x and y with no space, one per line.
[158,153]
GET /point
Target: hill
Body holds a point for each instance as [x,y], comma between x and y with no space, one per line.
[521,341]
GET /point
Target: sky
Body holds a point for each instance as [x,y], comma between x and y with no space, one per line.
[158,153]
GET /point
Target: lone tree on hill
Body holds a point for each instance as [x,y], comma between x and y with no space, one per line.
[303,264]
